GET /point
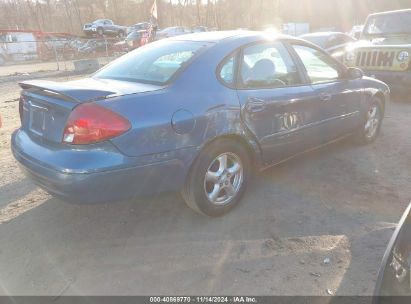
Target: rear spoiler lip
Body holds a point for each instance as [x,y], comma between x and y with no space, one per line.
[68,92]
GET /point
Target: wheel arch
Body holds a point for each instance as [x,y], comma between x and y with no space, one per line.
[370,94]
[380,95]
[250,145]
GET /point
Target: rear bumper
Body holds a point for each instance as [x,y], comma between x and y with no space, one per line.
[110,177]
[396,80]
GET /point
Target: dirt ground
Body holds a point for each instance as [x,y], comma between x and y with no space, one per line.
[319,222]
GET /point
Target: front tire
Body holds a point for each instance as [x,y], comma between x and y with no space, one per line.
[218,178]
[369,130]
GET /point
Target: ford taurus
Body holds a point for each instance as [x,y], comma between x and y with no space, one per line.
[194,113]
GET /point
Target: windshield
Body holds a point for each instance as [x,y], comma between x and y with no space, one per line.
[156,63]
[397,23]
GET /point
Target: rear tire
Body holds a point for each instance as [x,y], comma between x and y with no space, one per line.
[218,178]
[370,128]
[100,32]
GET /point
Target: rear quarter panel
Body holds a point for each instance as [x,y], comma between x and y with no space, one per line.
[214,110]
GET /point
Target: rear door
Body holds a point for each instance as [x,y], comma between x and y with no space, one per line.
[278,105]
[338,97]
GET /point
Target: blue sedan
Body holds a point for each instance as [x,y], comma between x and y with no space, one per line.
[194,113]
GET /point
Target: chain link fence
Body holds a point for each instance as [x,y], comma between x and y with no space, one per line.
[60,54]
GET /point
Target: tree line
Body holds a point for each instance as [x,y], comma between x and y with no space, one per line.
[70,15]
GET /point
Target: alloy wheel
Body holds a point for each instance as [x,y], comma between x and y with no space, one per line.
[223,178]
[373,121]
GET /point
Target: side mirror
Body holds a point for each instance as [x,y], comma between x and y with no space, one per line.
[354,73]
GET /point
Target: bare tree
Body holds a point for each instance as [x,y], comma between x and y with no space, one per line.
[69,15]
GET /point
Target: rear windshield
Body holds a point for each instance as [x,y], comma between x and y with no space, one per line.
[155,63]
[398,23]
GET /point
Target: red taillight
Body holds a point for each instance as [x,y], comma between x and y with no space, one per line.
[90,123]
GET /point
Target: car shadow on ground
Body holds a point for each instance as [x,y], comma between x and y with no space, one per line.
[8,193]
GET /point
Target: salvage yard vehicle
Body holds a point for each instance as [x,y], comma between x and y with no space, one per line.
[334,43]
[172,32]
[104,27]
[384,49]
[139,27]
[394,278]
[195,113]
[95,47]
[356,31]
[137,38]
[17,46]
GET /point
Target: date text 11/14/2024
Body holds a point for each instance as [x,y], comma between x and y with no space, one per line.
[203,299]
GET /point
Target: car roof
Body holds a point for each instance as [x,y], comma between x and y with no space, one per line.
[321,34]
[390,12]
[219,36]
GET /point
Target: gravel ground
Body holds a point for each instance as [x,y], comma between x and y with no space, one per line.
[338,205]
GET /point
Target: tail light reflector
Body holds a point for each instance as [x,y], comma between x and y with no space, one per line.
[90,123]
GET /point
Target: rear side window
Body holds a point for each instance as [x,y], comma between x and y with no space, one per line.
[155,63]
[227,71]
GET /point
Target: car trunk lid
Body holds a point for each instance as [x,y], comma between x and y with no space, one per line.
[46,105]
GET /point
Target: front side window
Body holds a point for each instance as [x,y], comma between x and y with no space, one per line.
[320,68]
[268,65]
[155,63]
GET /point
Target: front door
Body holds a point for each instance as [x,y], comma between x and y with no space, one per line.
[340,98]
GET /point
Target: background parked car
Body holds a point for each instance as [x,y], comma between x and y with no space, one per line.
[356,31]
[133,39]
[104,27]
[95,47]
[172,32]
[394,276]
[139,27]
[199,29]
[334,43]
[384,51]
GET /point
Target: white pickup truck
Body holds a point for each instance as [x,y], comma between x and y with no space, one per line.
[17,46]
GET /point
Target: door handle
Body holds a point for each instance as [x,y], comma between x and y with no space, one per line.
[325,97]
[255,105]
